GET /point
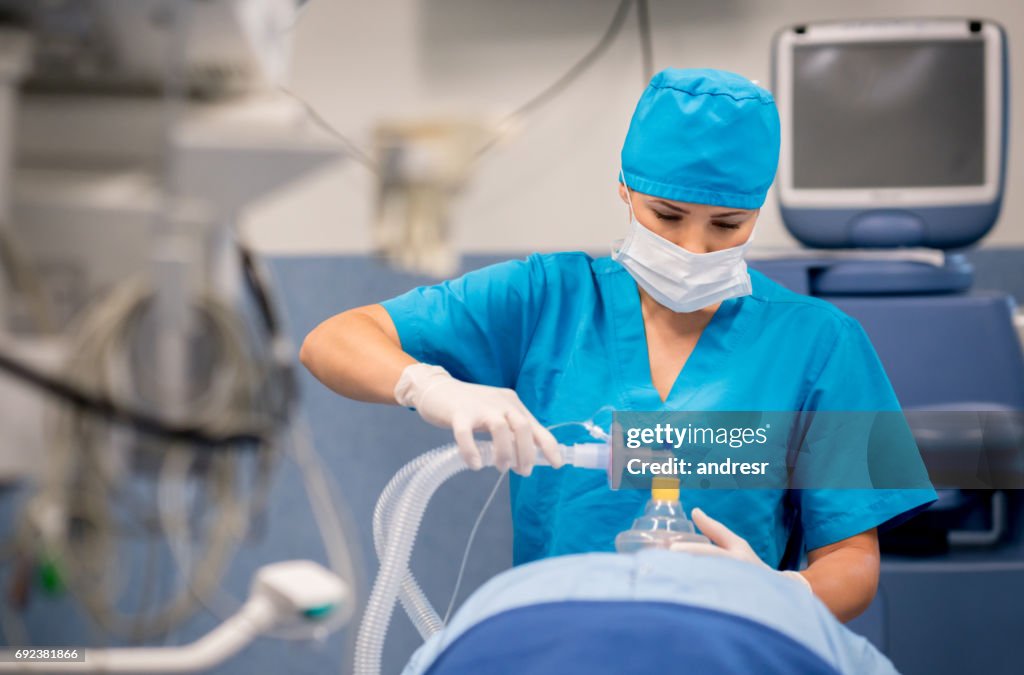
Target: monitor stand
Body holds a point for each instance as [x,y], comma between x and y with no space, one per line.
[863,272]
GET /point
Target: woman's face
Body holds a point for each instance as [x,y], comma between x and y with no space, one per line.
[698,228]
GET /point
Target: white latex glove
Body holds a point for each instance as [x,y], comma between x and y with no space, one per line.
[728,543]
[443,401]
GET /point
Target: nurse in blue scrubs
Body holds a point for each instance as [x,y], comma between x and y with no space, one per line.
[672,320]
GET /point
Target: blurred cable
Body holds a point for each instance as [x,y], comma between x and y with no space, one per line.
[553,90]
[469,546]
[25,278]
[538,100]
[643,23]
[331,514]
[558,86]
[354,151]
[102,406]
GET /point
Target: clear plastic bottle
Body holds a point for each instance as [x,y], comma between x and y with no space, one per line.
[663,522]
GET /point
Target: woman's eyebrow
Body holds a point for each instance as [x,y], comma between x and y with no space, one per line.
[726,214]
[669,205]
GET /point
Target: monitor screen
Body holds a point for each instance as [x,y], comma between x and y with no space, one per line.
[889,114]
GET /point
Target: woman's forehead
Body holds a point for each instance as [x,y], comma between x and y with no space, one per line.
[692,206]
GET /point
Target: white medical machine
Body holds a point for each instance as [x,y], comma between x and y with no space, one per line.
[146,386]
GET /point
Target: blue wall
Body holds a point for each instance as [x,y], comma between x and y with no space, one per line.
[363,445]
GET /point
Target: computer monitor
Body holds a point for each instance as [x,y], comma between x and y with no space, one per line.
[893,131]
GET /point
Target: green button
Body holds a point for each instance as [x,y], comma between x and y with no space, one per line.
[50,577]
[319,612]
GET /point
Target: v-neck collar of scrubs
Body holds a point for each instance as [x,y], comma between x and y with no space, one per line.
[725,330]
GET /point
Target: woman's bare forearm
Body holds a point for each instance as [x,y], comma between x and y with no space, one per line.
[357,354]
[845,575]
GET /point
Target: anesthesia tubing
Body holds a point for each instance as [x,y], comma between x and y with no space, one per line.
[396,522]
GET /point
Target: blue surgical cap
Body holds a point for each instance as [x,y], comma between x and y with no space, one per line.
[703,136]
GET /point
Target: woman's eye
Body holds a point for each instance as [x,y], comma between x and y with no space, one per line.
[662,216]
[727,226]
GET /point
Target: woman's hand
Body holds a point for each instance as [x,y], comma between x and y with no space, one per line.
[843,575]
[443,401]
[730,544]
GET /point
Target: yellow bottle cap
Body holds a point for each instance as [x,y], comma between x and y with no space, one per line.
[665,489]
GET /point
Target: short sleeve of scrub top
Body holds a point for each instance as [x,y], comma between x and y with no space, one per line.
[853,380]
[476,326]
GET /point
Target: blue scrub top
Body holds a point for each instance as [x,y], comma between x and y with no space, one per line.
[565,331]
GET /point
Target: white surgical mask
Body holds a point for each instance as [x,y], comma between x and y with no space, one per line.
[679,279]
